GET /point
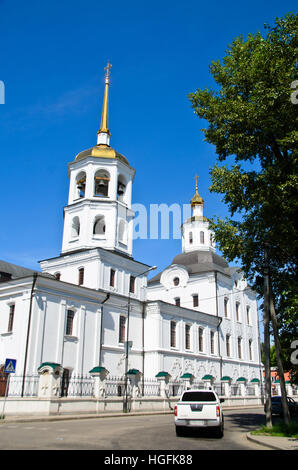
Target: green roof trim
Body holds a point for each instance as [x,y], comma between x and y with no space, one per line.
[255,380]
[53,365]
[208,377]
[97,369]
[241,379]
[187,375]
[162,374]
[226,377]
[133,372]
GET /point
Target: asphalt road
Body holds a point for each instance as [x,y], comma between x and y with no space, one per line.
[128,433]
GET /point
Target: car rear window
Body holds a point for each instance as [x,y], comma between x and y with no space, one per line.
[198,396]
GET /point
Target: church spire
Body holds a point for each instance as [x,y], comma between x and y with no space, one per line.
[103,135]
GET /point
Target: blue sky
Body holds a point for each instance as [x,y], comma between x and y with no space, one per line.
[52,59]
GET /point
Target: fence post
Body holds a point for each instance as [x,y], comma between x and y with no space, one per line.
[49,384]
[99,375]
[187,378]
[226,381]
[163,379]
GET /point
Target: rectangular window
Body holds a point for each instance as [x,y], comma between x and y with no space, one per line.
[173,334]
[132,282]
[212,342]
[237,311]
[81,276]
[228,345]
[69,322]
[177,301]
[11,317]
[122,323]
[187,336]
[195,300]
[201,341]
[112,278]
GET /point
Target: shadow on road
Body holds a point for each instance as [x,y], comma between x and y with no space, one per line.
[246,421]
[250,421]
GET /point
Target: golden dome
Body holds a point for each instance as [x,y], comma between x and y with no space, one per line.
[197,199]
[101,151]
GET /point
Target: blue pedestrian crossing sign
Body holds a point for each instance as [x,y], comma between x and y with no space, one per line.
[10,366]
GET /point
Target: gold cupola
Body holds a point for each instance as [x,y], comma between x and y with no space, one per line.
[197,200]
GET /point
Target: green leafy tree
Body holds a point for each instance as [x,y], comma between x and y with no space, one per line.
[252,121]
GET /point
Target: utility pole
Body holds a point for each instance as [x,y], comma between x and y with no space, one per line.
[268,400]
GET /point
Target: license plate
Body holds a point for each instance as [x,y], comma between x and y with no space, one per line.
[197,422]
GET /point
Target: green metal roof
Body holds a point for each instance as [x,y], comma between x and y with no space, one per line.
[162,374]
[208,377]
[187,375]
[53,365]
[255,380]
[241,379]
[226,377]
[133,372]
[97,369]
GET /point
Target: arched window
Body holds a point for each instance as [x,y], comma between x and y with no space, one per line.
[176,281]
[121,188]
[99,227]
[250,349]
[202,238]
[190,238]
[239,342]
[101,183]
[122,232]
[80,185]
[75,227]
[228,348]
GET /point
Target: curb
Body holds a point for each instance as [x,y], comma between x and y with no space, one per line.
[255,439]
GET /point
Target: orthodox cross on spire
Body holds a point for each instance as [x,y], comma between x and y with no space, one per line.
[196,178]
[107,68]
[103,135]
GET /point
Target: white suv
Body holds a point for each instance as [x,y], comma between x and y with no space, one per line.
[199,409]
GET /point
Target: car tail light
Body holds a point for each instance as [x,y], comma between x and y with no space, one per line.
[175,410]
[217,411]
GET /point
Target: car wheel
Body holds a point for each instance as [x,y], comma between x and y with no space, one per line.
[179,431]
[219,431]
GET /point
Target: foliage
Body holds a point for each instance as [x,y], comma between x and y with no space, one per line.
[253,121]
[279,430]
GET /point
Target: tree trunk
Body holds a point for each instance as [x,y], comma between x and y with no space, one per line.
[285,408]
[268,402]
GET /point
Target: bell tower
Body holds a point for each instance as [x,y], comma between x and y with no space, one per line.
[99,211]
[195,230]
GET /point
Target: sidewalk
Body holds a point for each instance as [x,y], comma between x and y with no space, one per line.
[275,443]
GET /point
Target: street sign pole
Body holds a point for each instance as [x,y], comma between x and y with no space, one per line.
[6,393]
[9,368]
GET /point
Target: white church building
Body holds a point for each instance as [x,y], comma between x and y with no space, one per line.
[92,307]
